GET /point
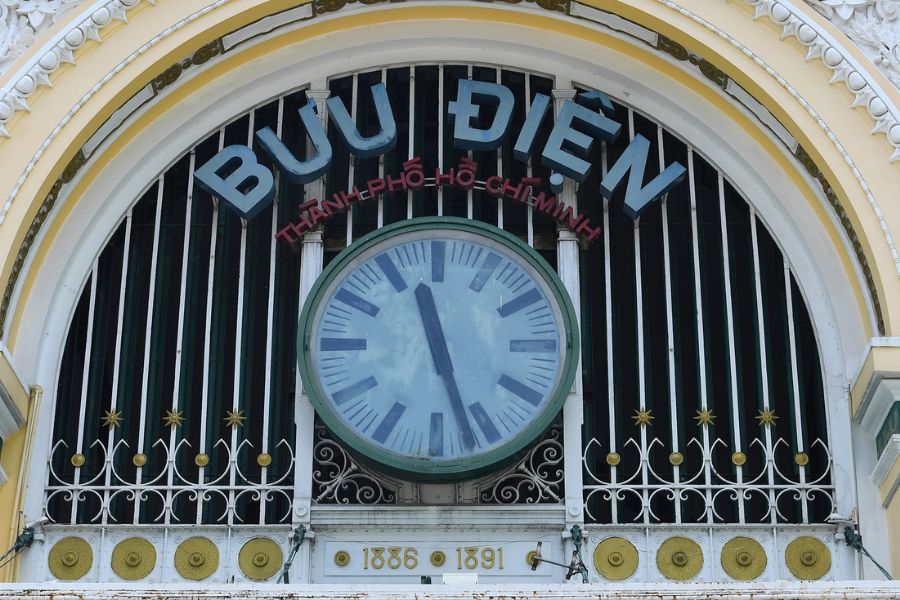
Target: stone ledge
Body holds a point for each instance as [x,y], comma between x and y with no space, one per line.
[863,590]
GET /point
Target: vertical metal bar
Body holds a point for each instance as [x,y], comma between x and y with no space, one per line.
[380,222]
[795,385]
[354,103]
[113,402]
[148,334]
[732,357]
[701,341]
[670,330]
[763,367]
[210,282]
[270,323]
[469,207]
[610,360]
[530,208]
[642,383]
[311,261]
[440,138]
[85,370]
[238,348]
[411,146]
[179,337]
[499,79]
[567,261]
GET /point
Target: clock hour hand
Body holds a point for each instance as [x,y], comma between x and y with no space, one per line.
[441,356]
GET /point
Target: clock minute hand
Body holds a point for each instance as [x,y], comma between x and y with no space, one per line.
[441,356]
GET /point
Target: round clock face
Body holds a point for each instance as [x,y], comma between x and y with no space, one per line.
[438,346]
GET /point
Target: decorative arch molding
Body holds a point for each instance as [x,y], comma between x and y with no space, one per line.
[97,19]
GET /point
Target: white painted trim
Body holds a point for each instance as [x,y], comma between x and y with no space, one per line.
[807,590]
[550,517]
[614,21]
[266,25]
[11,417]
[886,461]
[12,365]
[8,422]
[3,476]
[881,394]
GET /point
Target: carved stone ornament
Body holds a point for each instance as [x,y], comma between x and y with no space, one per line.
[22,21]
[874,25]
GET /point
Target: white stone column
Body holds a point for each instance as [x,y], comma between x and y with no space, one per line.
[312,255]
[567,259]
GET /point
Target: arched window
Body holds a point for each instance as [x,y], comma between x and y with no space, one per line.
[702,383]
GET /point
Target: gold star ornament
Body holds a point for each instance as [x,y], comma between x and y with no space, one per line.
[705,417]
[173,418]
[642,417]
[767,417]
[234,418]
[112,418]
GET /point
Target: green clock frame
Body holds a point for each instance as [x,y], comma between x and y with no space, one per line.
[422,468]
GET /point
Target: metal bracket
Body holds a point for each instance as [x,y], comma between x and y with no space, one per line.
[575,566]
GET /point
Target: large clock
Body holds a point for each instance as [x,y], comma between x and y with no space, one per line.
[438,347]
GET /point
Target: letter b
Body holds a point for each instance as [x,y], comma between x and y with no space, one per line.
[236,177]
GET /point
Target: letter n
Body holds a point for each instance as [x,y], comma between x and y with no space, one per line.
[634,162]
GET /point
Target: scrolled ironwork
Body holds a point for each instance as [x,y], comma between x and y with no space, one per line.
[339,479]
[760,485]
[535,478]
[169,492]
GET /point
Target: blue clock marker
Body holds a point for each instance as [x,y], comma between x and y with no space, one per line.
[438,250]
[351,299]
[390,271]
[337,344]
[520,302]
[487,269]
[349,393]
[532,346]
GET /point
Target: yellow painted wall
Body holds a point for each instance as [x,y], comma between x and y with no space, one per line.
[9,525]
[893,515]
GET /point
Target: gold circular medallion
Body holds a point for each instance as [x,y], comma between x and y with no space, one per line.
[676,458]
[342,558]
[264,459]
[613,459]
[70,558]
[139,460]
[743,558]
[808,558]
[196,558]
[679,558]
[133,559]
[260,559]
[529,558]
[438,558]
[615,558]
[201,460]
[801,458]
[739,459]
[78,460]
